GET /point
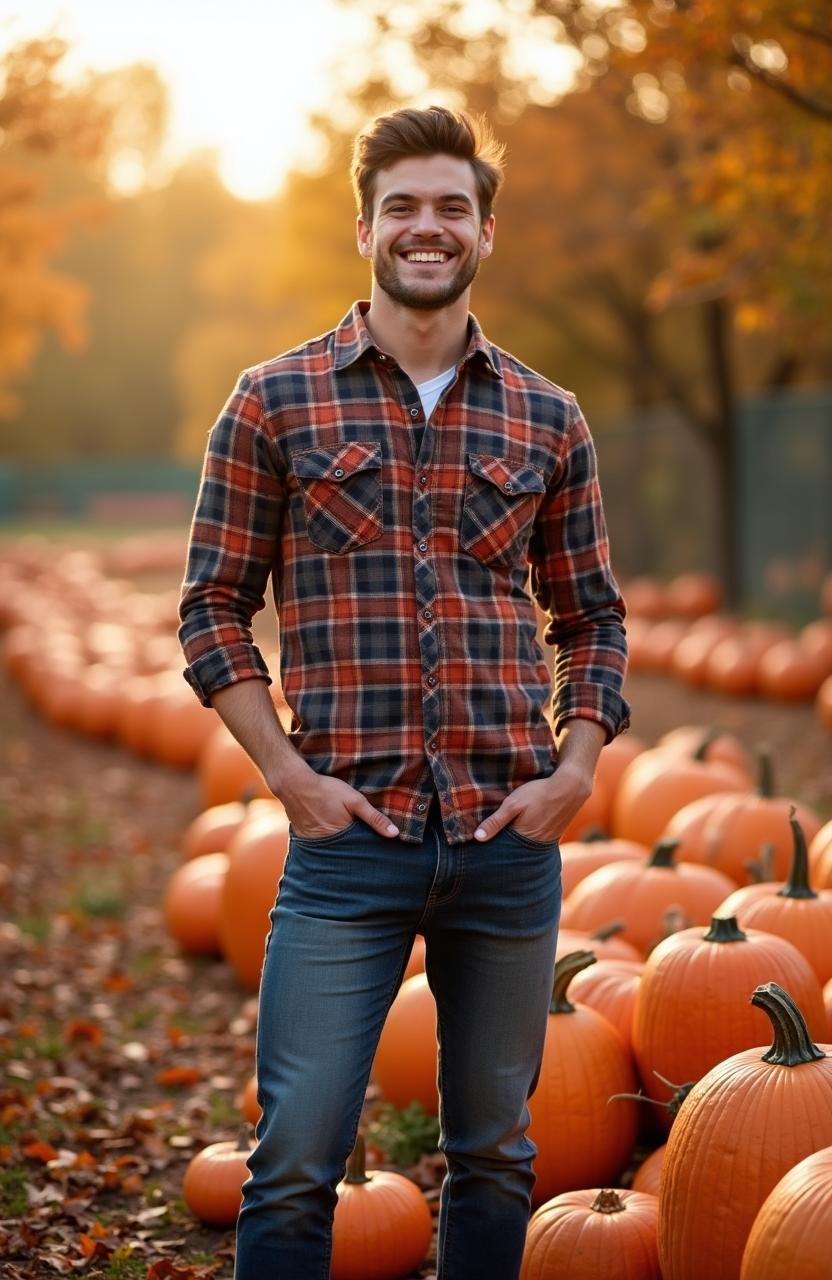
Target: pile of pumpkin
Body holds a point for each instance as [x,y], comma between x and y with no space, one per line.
[704,892]
[677,629]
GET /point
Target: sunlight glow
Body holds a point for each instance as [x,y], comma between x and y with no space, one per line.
[242,79]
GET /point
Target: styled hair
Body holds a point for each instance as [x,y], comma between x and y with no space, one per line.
[432,131]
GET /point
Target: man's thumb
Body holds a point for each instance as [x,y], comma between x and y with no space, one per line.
[492,824]
[374,818]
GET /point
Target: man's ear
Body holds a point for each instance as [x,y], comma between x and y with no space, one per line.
[365,237]
[487,237]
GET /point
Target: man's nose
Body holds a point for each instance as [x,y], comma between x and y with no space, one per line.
[425,222]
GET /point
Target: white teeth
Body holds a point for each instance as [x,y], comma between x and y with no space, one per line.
[426,257]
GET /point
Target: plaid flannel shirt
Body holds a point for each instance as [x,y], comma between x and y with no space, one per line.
[403,584]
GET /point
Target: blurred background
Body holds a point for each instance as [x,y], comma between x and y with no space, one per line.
[175,206]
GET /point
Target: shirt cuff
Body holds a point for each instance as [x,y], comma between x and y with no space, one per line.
[592,702]
[215,670]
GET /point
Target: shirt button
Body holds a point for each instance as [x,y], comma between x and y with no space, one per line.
[420,808]
[433,746]
[423,546]
[507,485]
[382,356]
[339,471]
[423,479]
[414,413]
[426,613]
[431,679]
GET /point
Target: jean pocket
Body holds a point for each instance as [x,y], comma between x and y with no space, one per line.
[499,505]
[342,494]
[319,840]
[530,842]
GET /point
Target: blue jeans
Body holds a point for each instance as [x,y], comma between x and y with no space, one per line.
[348,908]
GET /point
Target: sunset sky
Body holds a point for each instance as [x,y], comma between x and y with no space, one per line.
[243,76]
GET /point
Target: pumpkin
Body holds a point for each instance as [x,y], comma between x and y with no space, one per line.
[212,1188]
[226,772]
[405,1063]
[614,758]
[656,784]
[580,857]
[792,1234]
[604,943]
[249,1105]
[640,894]
[256,855]
[593,814]
[610,987]
[211,830]
[713,743]
[660,642]
[382,1228]
[581,1142]
[692,1007]
[645,597]
[741,822]
[740,1129]
[794,911]
[648,1175]
[181,727]
[823,703]
[416,960]
[820,857]
[791,672]
[816,638]
[827,1000]
[191,904]
[593,1235]
[694,594]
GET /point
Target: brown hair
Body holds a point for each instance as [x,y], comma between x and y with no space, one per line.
[433,131]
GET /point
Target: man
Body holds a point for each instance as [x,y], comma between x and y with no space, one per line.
[397,477]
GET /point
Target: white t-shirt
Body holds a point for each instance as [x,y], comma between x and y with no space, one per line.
[429,392]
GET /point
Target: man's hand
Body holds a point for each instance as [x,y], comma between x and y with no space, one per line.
[541,809]
[318,805]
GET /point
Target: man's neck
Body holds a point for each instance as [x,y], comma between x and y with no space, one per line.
[423,343]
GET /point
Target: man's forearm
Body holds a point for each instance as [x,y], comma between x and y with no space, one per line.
[579,745]
[247,710]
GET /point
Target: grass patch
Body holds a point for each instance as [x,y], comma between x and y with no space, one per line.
[14,1202]
[100,899]
[37,926]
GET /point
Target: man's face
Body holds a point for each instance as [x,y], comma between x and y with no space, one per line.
[425,239]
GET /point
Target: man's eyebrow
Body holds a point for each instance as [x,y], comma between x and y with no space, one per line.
[460,197]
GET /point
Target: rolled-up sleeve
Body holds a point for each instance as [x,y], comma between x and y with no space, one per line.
[573,583]
[233,547]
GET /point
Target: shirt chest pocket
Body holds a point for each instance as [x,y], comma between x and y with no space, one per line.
[342,494]
[498,508]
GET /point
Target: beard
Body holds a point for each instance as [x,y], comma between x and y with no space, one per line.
[425,296]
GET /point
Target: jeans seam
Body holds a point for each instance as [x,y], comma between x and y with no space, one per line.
[529,842]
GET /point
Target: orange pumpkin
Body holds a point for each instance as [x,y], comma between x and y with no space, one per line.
[741,1128]
[593,1235]
[212,1188]
[416,959]
[181,727]
[645,597]
[640,895]
[593,814]
[227,772]
[604,943]
[791,672]
[405,1064]
[211,830]
[660,642]
[792,1234]
[823,703]
[794,910]
[191,904]
[256,856]
[248,1104]
[656,784]
[694,594]
[692,1007]
[580,857]
[709,743]
[827,1000]
[820,857]
[614,758]
[610,987]
[648,1175]
[382,1227]
[580,1140]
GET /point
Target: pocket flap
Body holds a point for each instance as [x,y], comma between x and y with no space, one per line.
[507,474]
[338,464]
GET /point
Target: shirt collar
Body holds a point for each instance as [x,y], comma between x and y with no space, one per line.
[353,340]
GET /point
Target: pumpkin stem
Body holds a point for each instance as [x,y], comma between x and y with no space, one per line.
[663,854]
[765,774]
[761,869]
[565,971]
[356,1174]
[710,736]
[792,1043]
[608,930]
[724,929]
[608,1201]
[594,835]
[797,885]
[681,1091]
[243,1143]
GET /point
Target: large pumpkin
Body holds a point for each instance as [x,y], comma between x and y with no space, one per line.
[382,1227]
[581,1141]
[212,1188]
[191,905]
[580,857]
[256,855]
[791,1238]
[740,1129]
[593,1235]
[640,895]
[406,1060]
[692,1006]
[820,857]
[610,987]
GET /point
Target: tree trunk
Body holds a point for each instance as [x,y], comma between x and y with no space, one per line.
[723,441]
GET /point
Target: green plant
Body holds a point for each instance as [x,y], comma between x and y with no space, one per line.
[404,1135]
[14,1201]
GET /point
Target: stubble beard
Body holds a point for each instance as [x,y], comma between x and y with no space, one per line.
[426,297]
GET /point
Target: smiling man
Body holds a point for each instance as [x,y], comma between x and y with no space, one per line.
[410,489]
